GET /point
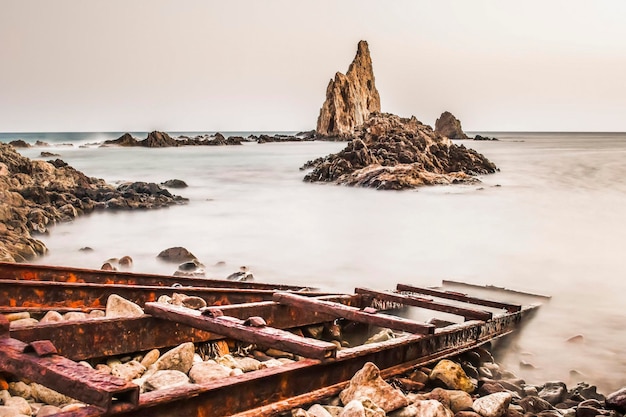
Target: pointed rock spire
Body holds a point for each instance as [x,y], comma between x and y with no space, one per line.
[350,98]
[449,126]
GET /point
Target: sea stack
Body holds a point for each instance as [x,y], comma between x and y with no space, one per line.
[350,98]
[449,126]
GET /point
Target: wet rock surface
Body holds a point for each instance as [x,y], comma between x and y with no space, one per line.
[35,195]
[393,153]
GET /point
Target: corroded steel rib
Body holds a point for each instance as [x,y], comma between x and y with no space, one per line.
[95,338]
[450,295]
[468,314]
[237,329]
[264,392]
[66,376]
[354,314]
[31,272]
[85,295]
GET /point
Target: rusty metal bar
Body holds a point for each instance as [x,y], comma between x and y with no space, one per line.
[494,288]
[237,329]
[468,314]
[84,295]
[451,295]
[263,391]
[79,340]
[32,272]
[65,376]
[354,314]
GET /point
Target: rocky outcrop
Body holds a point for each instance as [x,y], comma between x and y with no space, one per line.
[36,194]
[163,140]
[449,126]
[394,153]
[350,98]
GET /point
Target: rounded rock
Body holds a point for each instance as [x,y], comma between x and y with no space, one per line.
[493,405]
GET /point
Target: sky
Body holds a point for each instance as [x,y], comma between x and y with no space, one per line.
[241,65]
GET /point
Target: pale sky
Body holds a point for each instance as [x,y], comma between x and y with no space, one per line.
[140,65]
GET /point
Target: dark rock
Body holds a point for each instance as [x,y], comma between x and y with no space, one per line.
[350,98]
[158,140]
[617,400]
[553,392]
[242,275]
[125,140]
[86,249]
[19,143]
[44,154]
[449,126]
[479,137]
[176,254]
[392,153]
[534,405]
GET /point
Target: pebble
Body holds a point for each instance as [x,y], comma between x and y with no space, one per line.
[203,372]
[51,317]
[47,410]
[179,359]
[452,375]
[165,379]
[150,358]
[19,404]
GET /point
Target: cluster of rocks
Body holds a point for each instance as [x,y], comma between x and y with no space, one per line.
[163,140]
[36,194]
[21,143]
[190,266]
[393,153]
[471,385]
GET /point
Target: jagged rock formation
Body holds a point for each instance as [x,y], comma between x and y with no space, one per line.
[350,98]
[36,194]
[449,126]
[394,153]
[163,140]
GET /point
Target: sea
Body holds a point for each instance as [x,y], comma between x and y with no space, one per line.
[551,221]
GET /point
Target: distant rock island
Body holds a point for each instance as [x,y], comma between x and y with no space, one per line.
[350,98]
[394,153]
[387,151]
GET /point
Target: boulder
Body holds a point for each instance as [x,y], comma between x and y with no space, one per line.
[493,405]
[157,139]
[553,392]
[174,183]
[350,98]
[120,307]
[176,254]
[449,126]
[203,372]
[452,375]
[179,358]
[617,400]
[367,383]
[162,379]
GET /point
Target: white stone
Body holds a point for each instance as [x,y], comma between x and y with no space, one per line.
[493,405]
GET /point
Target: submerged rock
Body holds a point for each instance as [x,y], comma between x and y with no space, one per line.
[394,153]
[176,254]
[350,98]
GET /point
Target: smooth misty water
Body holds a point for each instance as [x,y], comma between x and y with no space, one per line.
[552,221]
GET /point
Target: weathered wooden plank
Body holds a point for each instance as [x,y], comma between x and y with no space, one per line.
[32,272]
[66,376]
[354,314]
[260,393]
[468,314]
[237,329]
[85,295]
[450,295]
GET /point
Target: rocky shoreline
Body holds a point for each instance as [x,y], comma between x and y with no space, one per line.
[37,194]
[471,384]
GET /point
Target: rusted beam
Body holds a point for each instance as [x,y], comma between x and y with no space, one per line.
[65,376]
[265,390]
[495,288]
[354,314]
[468,314]
[85,295]
[32,272]
[237,329]
[79,340]
[451,295]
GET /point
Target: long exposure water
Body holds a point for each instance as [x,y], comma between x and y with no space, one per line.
[552,221]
